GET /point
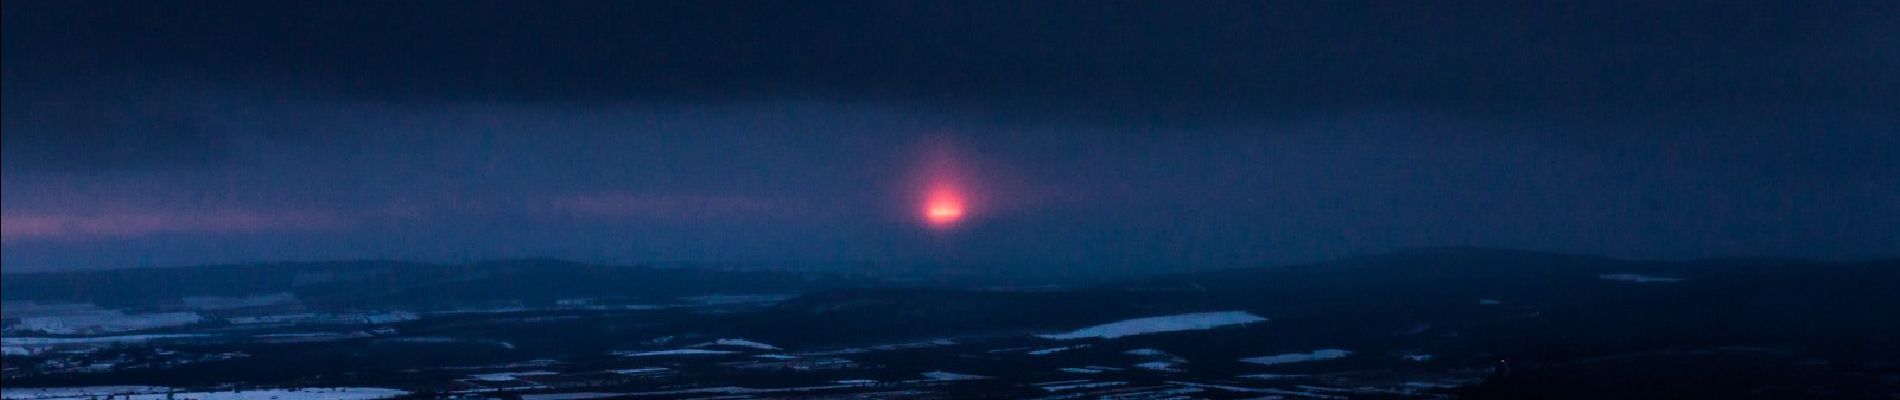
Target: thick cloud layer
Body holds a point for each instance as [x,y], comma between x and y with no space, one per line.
[1120,135]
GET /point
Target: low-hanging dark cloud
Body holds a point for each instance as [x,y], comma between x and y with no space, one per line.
[1157,57]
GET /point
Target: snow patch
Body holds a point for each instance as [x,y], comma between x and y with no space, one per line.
[46,341]
[570,396]
[106,321]
[1271,377]
[739,343]
[1168,323]
[509,376]
[1146,352]
[1081,385]
[389,317]
[160,393]
[676,352]
[733,299]
[1315,355]
[1162,366]
[950,376]
[641,371]
[1053,350]
[1638,278]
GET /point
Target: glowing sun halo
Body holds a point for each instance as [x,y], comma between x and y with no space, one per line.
[943,214]
[943,208]
[947,196]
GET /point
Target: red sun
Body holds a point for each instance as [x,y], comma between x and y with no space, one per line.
[946,193]
[943,207]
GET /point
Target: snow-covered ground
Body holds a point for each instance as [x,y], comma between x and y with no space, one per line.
[1315,355]
[738,343]
[1168,323]
[1145,352]
[675,352]
[1271,377]
[951,376]
[570,396]
[46,341]
[729,392]
[76,392]
[105,321]
[482,310]
[642,371]
[1162,366]
[1638,278]
[509,376]
[333,319]
[732,299]
[1053,387]
[275,319]
[390,317]
[1053,350]
[160,393]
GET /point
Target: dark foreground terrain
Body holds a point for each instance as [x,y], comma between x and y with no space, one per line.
[1443,323]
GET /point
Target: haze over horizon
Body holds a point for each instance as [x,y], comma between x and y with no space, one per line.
[1122,136]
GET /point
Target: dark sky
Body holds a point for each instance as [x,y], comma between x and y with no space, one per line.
[1086,134]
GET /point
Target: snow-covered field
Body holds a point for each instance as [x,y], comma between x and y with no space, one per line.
[732,299]
[390,317]
[1053,387]
[1638,278]
[676,352]
[76,392]
[570,396]
[1168,323]
[1145,352]
[46,341]
[1271,377]
[309,337]
[273,319]
[1162,366]
[1053,350]
[950,376]
[1315,355]
[642,371]
[160,393]
[738,343]
[509,376]
[105,321]
[314,318]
